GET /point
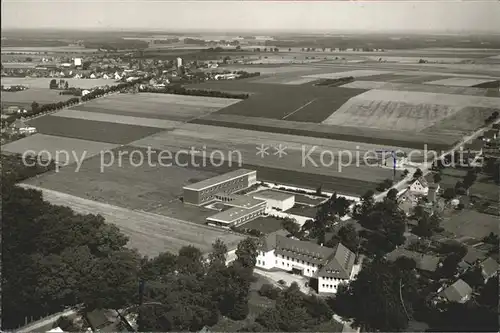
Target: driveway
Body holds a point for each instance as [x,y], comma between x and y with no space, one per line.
[287,277]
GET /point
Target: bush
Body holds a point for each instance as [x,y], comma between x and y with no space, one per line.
[282,282]
[269,291]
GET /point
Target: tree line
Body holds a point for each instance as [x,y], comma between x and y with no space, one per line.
[181,90]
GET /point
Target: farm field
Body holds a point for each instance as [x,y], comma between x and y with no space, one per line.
[126,182]
[75,148]
[353,73]
[150,233]
[111,118]
[406,111]
[291,104]
[37,82]
[398,86]
[158,106]
[471,224]
[465,120]
[43,49]
[461,82]
[235,146]
[375,136]
[26,97]
[90,130]
[265,224]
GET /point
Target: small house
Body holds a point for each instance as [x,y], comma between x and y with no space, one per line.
[489,268]
[18,126]
[93,76]
[105,76]
[459,292]
[419,186]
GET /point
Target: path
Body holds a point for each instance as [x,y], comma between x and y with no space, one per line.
[33,327]
[426,168]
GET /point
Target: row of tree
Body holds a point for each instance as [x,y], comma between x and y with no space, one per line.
[181,90]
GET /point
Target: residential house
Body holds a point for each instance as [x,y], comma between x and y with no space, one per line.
[102,320]
[419,186]
[424,262]
[18,126]
[106,76]
[77,76]
[93,76]
[330,266]
[433,192]
[490,135]
[117,76]
[473,256]
[459,292]
[85,92]
[489,268]
[407,202]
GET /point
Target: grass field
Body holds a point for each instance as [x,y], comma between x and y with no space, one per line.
[90,130]
[159,106]
[117,119]
[150,233]
[75,148]
[26,97]
[127,183]
[383,138]
[43,83]
[471,223]
[353,73]
[265,224]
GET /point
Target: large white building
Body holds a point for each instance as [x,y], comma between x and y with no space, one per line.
[330,266]
[179,62]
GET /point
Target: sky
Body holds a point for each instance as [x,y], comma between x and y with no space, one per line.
[306,16]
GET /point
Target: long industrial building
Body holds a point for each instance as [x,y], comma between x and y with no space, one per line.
[206,191]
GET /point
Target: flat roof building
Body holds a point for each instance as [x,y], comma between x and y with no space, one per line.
[205,191]
[276,199]
[237,215]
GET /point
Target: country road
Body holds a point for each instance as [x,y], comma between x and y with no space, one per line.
[426,167]
[150,233]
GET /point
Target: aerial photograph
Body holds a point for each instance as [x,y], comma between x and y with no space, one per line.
[250,166]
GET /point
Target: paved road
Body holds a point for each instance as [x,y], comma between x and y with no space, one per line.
[35,326]
[426,167]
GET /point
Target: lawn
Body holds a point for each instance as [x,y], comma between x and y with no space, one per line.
[265,224]
[90,129]
[26,97]
[159,106]
[69,149]
[43,83]
[470,223]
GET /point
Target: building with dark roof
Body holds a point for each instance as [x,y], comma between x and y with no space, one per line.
[424,262]
[205,191]
[330,266]
[459,292]
[489,268]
